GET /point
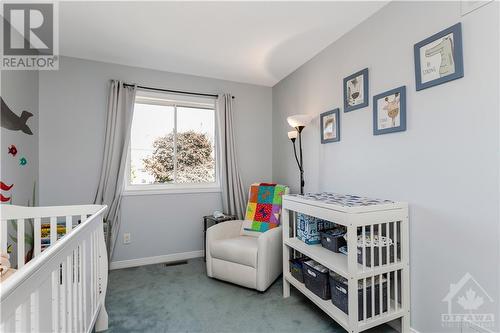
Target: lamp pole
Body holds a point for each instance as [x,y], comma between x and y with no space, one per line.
[301,167]
[298,122]
[298,159]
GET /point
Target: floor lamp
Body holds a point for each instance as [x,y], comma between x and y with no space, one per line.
[299,122]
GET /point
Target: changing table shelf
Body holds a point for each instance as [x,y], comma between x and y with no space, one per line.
[364,219]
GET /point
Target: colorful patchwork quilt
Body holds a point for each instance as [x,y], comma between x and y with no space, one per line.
[264,207]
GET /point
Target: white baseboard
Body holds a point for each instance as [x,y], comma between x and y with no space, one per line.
[155,260]
[414,330]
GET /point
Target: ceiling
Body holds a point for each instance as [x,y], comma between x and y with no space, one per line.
[251,42]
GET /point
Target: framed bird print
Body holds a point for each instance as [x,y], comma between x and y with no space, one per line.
[389,111]
[330,126]
[439,58]
[356,91]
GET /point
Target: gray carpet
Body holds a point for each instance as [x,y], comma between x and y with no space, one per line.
[182,298]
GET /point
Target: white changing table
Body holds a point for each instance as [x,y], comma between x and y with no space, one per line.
[363,217]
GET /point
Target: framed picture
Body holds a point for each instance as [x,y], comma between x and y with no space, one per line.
[356,91]
[389,111]
[330,126]
[439,58]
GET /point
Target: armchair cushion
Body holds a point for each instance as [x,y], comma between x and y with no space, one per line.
[241,250]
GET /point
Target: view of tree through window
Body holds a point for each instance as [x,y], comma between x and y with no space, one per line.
[172,144]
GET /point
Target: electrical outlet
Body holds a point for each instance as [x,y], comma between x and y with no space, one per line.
[126,238]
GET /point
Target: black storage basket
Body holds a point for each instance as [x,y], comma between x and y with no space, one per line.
[296,268]
[340,293]
[333,239]
[316,280]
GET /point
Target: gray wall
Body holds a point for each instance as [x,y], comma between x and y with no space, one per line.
[446,163]
[19,89]
[72,123]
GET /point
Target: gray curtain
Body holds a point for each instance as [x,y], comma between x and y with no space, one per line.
[118,124]
[233,194]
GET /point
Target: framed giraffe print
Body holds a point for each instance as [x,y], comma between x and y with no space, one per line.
[439,58]
[389,111]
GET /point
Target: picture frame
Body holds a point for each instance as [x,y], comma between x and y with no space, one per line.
[330,126]
[389,111]
[439,58]
[356,94]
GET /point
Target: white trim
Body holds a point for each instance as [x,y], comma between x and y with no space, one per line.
[413,330]
[176,100]
[165,191]
[155,260]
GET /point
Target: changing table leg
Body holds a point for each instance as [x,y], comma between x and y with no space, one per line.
[101,323]
[285,222]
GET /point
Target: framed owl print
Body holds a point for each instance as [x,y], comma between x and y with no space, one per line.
[356,91]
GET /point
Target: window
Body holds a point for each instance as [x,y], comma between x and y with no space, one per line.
[172,144]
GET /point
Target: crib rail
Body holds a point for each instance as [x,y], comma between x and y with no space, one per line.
[63,288]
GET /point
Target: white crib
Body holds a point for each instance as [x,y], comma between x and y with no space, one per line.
[62,289]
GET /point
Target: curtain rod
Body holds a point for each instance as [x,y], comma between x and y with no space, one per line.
[174,91]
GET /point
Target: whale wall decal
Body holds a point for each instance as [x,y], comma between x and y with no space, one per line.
[11,121]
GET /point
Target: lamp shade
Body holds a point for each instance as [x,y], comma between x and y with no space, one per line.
[292,135]
[299,120]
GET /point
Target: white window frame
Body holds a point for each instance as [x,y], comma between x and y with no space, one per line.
[174,100]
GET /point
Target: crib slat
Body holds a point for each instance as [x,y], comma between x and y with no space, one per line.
[80,291]
[35,310]
[69,293]
[395,259]
[55,300]
[75,291]
[365,305]
[396,294]
[398,230]
[97,272]
[388,247]
[22,317]
[372,251]
[363,253]
[53,230]
[380,293]
[64,292]
[69,224]
[84,284]
[373,294]
[20,243]
[92,272]
[389,291]
[37,233]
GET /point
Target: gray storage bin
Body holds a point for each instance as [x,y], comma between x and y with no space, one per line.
[333,239]
[340,292]
[316,279]
[296,268]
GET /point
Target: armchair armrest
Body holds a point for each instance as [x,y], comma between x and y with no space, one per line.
[222,230]
[270,257]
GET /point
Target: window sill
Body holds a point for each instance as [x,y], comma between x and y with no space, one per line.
[170,191]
